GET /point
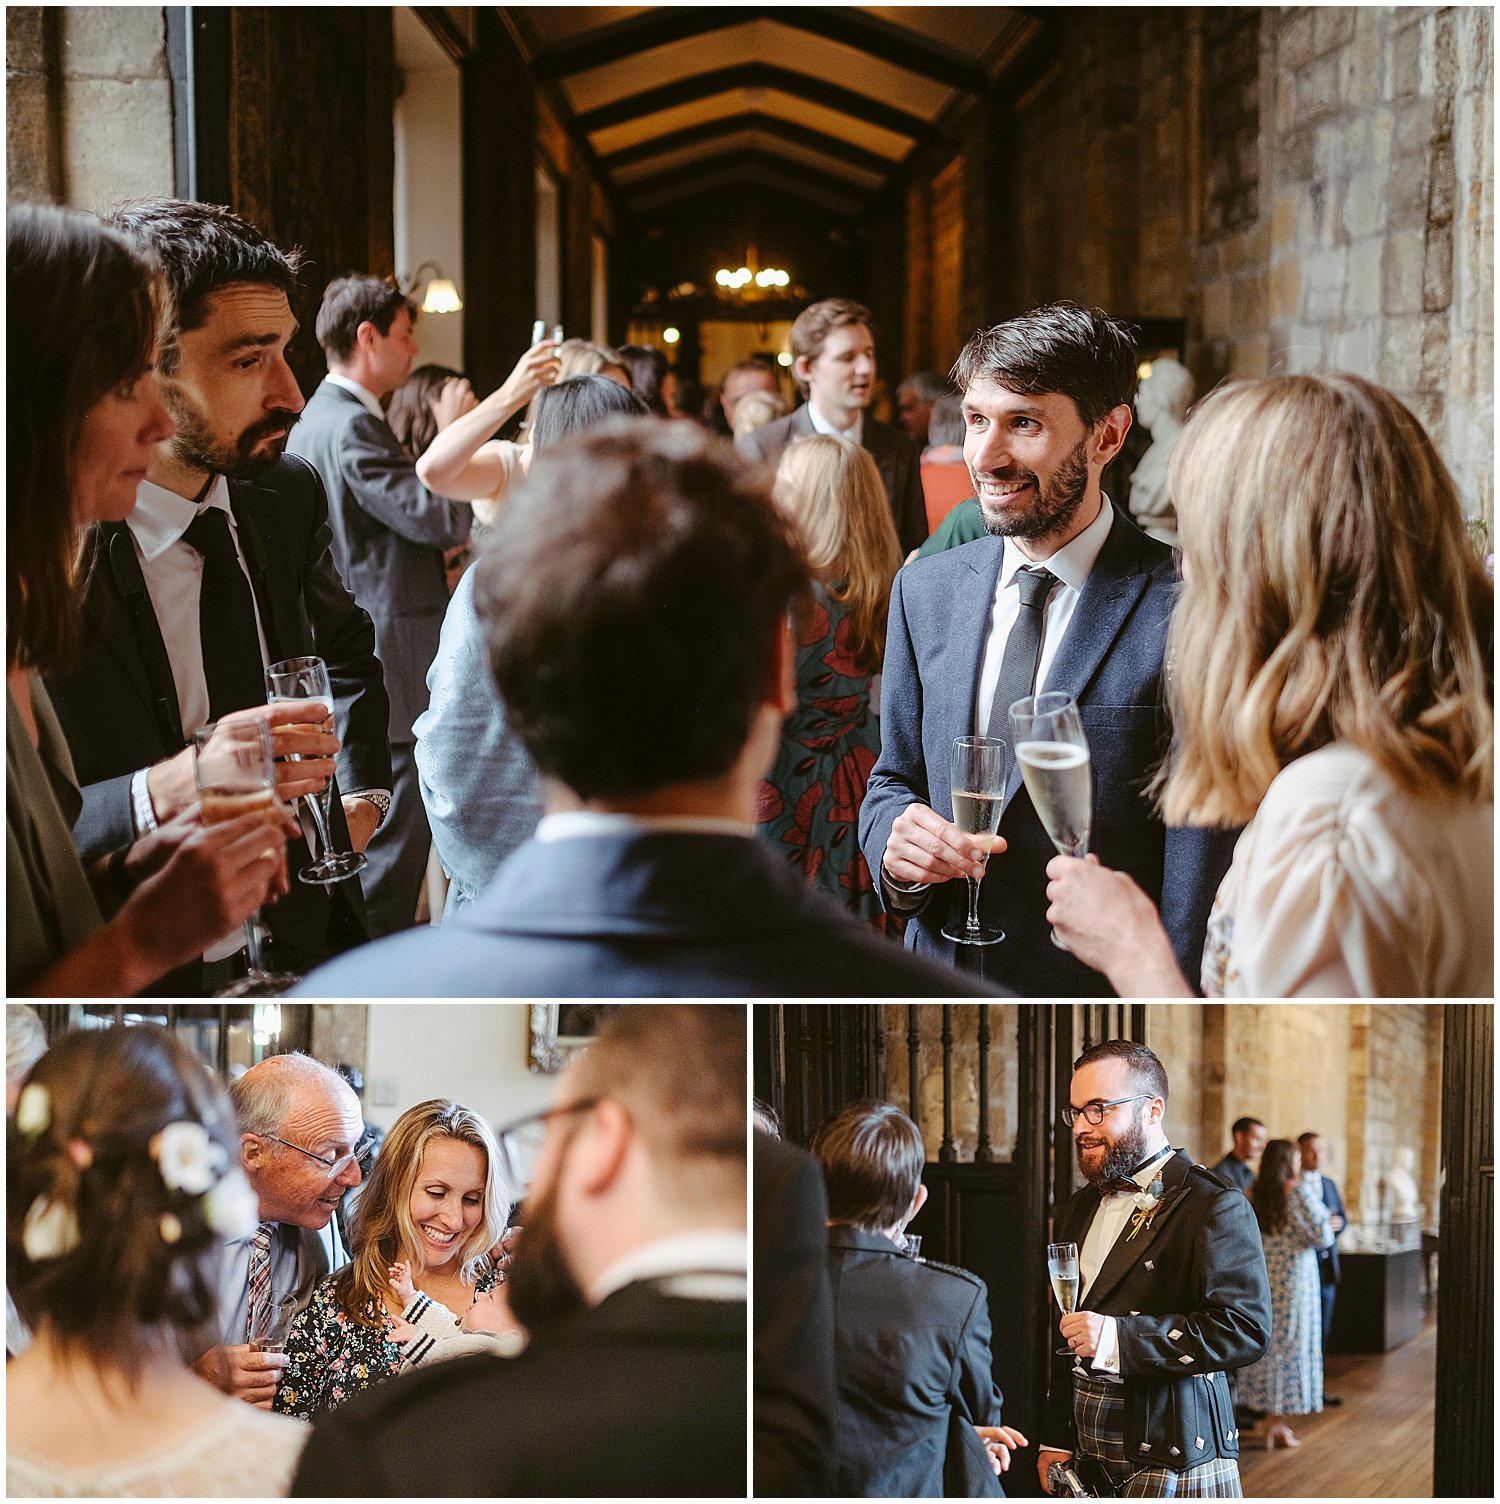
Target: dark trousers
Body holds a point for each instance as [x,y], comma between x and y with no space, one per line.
[397,852]
[1330,1294]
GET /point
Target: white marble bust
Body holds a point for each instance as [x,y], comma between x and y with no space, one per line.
[1161,405]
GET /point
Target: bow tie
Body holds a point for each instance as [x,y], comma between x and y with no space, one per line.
[1120,1187]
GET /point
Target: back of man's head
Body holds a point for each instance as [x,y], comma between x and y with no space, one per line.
[679,1071]
[630,600]
[200,248]
[872,1157]
[1080,352]
[351,301]
[926,385]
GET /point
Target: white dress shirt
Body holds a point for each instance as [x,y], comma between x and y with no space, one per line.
[367,399]
[573,823]
[713,1264]
[1072,564]
[854,432]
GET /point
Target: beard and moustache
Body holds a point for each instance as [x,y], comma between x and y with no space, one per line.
[1120,1157]
[1056,504]
[196,445]
[541,1287]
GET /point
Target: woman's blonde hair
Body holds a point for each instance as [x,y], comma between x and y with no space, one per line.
[383,1231]
[1331,595]
[832,490]
[582,357]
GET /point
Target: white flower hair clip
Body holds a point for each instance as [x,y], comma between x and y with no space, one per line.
[50,1230]
[33,1110]
[189,1159]
[231,1207]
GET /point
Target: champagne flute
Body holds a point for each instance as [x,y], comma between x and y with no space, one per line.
[978,772]
[235,775]
[307,679]
[1062,1270]
[1053,754]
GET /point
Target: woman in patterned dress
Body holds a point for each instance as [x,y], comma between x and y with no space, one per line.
[434,1201]
[1293,1225]
[808,806]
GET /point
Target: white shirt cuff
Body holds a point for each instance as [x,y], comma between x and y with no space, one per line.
[142,816]
[1107,1358]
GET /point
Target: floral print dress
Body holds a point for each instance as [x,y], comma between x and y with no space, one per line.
[808,806]
[330,1359]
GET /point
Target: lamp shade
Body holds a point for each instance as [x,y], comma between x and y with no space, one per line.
[441,297]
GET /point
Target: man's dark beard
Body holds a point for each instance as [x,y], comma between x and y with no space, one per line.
[1121,1157]
[540,1284]
[195,445]
[1054,508]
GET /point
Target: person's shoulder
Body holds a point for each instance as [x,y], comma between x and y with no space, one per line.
[473,1385]
[893,440]
[429,960]
[949,1277]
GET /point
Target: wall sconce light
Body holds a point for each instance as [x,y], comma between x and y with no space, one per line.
[441,295]
[670,335]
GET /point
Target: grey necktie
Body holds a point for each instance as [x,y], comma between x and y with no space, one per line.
[1023,649]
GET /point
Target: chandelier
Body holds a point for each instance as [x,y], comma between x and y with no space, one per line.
[751,280]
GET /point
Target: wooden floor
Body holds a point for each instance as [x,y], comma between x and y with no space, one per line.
[1376,1445]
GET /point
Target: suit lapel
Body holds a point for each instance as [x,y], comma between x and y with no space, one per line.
[278,620]
[119,601]
[1129,1251]
[1109,595]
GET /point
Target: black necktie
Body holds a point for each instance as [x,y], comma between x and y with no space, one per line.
[1023,650]
[226,619]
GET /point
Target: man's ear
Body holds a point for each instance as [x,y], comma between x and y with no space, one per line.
[802,370]
[366,335]
[1109,435]
[597,1154]
[253,1153]
[918,1201]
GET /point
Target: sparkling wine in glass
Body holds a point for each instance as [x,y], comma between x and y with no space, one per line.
[1062,1270]
[235,775]
[307,679]
[978,773]
[1053,755]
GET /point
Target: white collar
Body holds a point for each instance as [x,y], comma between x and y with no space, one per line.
[160,517]
[712,1252]
[565,824]
[1074,561]
[367,399]
[855,431]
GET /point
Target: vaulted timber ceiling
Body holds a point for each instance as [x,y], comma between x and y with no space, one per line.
[822,103]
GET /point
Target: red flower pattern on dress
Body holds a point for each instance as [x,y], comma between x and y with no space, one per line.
[768,802]
[850,780]
[814,625]
[841,656]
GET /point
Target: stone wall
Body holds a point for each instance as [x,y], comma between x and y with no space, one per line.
[1175,1032]
[88,104]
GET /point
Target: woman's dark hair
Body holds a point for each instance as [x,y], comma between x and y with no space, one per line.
[580,402]
[1279,1162]
[145,1255]
[410,412]
[80,303]
[648,369]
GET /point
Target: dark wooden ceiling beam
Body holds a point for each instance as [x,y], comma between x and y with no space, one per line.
[664,25]
[756,76]
[692,176]
[771,125]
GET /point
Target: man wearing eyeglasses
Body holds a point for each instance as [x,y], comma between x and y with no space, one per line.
[1173,1294]
[630,1276]
[300,1127]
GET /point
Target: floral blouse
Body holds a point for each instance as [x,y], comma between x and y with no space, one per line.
[330,1358]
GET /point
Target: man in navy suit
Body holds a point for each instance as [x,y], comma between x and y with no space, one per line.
[635,605]
[1311,1146]
[1066,594]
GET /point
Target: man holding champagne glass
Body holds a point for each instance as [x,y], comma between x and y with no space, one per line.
[1067,596]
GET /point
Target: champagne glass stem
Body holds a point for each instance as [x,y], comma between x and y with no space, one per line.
[973,883]
[314,804]
[252,945]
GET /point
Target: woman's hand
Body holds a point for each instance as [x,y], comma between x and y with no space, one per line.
[537,368]
[1108,923]
[454,400]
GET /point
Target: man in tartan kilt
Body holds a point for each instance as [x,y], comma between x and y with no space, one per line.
[1173,1293]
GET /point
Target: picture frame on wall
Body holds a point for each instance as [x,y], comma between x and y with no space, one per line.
[559,1031]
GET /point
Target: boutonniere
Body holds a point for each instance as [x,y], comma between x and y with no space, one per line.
[1146,1203]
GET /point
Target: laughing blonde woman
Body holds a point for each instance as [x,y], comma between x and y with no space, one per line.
[1330,674]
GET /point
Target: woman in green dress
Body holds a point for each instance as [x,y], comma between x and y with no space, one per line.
[84,417]
[809,803]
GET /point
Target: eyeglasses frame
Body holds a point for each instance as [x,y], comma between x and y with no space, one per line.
[1071,1114]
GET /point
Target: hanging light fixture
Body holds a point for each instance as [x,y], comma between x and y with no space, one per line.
[751,280]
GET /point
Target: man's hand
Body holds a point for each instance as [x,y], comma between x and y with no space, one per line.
[362,817]
[1044,1461]
[925,848]
[243,1372]
[1000,1442]
[1083,1331]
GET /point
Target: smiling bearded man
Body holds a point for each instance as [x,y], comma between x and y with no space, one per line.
[1066,594]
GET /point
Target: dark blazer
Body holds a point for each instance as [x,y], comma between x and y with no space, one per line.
[1328,1258]
[911,1345]
[389,533]
[641,914]
[793,1354]
[1191,1298]
[118,704]
[896,456]
[641,1396]
[1110,662]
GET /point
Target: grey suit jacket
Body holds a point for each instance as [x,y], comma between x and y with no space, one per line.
[896,457]
[389,533]
[1110,662]
[642,914]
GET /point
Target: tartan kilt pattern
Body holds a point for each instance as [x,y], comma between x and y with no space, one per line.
[1099,1415]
